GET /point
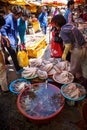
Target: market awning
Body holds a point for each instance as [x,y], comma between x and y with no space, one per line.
[79,1]
[35,3]
[54,2]
[18,2]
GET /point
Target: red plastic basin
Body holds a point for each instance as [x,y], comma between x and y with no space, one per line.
[40,103]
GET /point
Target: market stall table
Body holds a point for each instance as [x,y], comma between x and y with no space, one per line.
[35,45]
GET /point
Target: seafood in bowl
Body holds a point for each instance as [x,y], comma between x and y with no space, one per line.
[17,85]
[63,77]
[73,91]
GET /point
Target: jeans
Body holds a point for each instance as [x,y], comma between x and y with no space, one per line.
[44,29]
[13,55]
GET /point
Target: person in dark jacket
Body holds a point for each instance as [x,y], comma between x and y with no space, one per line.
[22,26]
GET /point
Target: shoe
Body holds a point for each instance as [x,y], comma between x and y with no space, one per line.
[7,62]
[19,71]
[7,91]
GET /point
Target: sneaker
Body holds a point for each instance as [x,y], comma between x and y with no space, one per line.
[19,71]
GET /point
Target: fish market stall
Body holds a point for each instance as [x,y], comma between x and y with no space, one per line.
[41,100]
[43,97]
[35,45]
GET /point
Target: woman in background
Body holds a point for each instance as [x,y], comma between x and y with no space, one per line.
[43,19]
[68,14]
[22,26]
[57,11]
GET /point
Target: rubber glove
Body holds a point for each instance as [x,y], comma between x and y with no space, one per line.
[66,50]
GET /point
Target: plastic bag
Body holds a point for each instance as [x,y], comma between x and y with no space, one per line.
[56,49]
[22,57]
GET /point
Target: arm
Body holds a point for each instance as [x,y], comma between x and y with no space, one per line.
[6,27]
[1,54]
[18,22]
[67,43]
[70,18]
[6,39]
[2,58]
[67,48]
[40,18]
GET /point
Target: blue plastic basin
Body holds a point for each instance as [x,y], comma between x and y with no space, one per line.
[72,99]
[12,83]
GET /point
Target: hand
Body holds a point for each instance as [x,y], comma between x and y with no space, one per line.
[7,40]
[27,31]
[2,58]
[78,75]
[64,57]
[18,40]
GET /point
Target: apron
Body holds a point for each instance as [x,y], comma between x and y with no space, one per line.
[56,48]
